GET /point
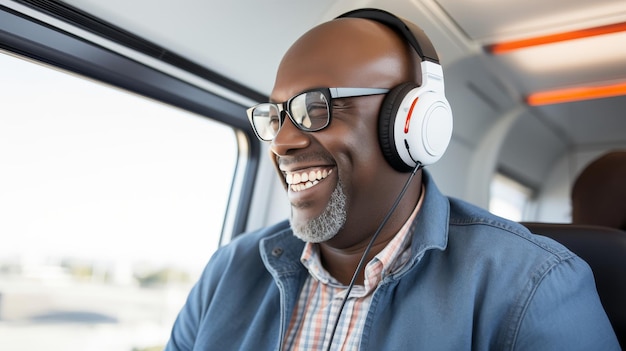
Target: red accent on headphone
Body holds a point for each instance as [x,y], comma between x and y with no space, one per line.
[408,116]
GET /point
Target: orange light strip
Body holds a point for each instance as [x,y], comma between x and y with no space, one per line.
[500,48]
[576,94]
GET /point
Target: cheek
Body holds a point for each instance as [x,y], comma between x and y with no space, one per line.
[352,139]
[359,152]
[366,149]
[366,144]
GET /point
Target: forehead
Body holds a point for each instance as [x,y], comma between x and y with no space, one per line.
[346,52]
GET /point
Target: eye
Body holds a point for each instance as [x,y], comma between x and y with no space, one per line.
[316,110]
[274,122]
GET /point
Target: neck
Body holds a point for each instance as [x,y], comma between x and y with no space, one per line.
[342,262]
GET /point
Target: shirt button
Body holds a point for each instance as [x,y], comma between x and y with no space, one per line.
[277,252]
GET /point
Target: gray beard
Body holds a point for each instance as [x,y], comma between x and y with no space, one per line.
[328,224]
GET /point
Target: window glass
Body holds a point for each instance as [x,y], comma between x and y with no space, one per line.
[509,198]
[110,206]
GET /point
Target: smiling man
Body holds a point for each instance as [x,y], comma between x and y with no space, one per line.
[344,209]
[373,256]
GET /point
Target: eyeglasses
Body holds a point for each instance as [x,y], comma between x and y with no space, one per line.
[309,111]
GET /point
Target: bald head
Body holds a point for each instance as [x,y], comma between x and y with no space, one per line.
[346,52]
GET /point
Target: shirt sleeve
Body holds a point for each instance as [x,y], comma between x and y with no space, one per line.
[185,328]
[184,334]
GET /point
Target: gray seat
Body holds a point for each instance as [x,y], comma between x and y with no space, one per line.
[604,249]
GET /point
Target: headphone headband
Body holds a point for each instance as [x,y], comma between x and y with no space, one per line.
[411,132]
[413,34]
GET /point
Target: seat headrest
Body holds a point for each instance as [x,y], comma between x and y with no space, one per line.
[599,192]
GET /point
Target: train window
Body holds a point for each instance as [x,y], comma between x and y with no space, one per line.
[508,197]
[110,205]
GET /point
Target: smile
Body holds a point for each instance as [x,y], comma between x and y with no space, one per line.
[299,181]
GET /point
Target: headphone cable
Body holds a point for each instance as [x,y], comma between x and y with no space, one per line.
[367,250]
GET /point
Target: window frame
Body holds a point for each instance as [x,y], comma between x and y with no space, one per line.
[35,39]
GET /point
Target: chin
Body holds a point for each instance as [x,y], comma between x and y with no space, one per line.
[324,226]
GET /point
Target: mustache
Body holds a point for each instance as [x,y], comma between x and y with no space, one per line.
[309,157]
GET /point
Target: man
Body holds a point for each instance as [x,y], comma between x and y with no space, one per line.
[440,275]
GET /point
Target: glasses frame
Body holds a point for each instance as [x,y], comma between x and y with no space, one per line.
[284,108]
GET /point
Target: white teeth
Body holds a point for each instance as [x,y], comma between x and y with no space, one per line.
[305,180]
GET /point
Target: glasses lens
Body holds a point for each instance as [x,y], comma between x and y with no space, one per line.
[266,121]
[310,111]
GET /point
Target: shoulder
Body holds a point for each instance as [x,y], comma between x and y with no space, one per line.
[470,236]
[542,282]
[510,257]
[471,223]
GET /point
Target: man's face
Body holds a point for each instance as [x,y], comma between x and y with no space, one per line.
[337,179]
[332,172]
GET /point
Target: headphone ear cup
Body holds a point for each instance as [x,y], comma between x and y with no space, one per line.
[386,123]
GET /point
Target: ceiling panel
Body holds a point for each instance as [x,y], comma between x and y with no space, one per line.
[595,60]
[513,19]
[589,123]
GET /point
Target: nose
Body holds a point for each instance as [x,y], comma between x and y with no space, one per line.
[289,138]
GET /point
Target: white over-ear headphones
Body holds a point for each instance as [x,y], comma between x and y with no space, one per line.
[415,121]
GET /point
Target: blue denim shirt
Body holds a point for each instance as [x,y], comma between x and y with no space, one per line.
[475,282]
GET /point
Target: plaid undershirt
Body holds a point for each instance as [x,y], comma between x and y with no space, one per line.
[321,297]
